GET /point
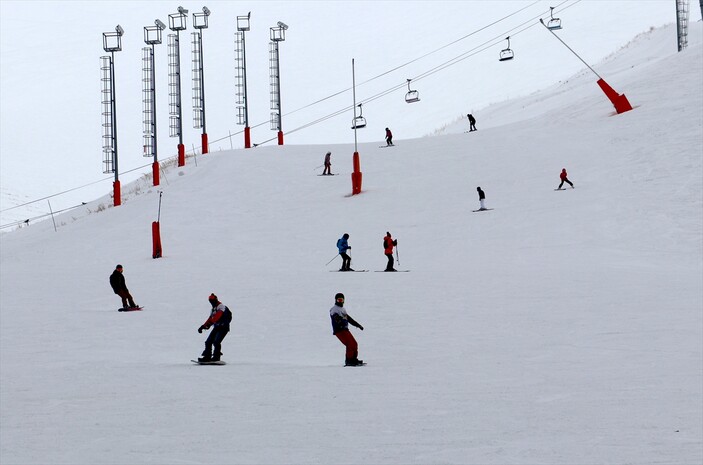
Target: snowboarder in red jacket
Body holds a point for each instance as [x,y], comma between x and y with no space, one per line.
[220,318]
[388,243]
[564,179]
[340,328]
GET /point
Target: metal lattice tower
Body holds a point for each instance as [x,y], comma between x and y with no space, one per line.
[240,82]
[275,84]
[108,116]
[174,86]
[148,102]
[682,12]
[198,95]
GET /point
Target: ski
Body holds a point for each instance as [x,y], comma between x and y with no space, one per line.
[333,174]
[130,309]
[396,271]
[350,271]
[219,362]
[564,189]
[482,210]
[360,365]
[384,146]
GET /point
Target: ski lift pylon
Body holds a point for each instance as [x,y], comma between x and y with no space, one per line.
[412,96]
[506,53]
[554,23]
[359,121]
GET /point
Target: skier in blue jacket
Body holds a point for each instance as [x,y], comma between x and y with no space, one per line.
[343,246]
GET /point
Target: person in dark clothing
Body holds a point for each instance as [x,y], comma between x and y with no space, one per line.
[220,318]
[564,179]
[389,137]
[481,198]
[472,122]
[120,287]
[340,328]
[343,246]
[388,244]
[328,164]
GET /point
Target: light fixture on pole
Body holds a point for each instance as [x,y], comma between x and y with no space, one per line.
[619,101]
[112,42]
[152,36]
[241,83]
[278,34]
[199,23]
[176,22]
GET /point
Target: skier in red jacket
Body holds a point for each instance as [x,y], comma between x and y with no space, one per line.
[388,244]
[564,179]
[220,318]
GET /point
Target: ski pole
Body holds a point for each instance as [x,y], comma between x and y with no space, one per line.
[318,167]
[397,255]
[331,260]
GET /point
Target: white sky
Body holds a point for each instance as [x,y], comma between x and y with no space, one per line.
[50,133]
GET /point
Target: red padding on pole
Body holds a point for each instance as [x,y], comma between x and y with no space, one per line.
[117,193]
[203,139]
[280,137]
[156,239]
[619,101]
[155,172]
[181,155]
[356,175]
[247,137]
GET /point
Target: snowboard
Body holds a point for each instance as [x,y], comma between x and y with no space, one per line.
[130,309]
[563,189]
[221,362]
[352,271]
[482,210]
[362,365]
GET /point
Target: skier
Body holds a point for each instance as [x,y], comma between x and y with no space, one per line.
[120,287]
[388,244]
[328,164]
[220,318]
[389,137]
[340,328]
[564,179]
[481,198]
[472,122]
[343,246]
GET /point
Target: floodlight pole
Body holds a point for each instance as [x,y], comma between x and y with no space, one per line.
[278,34]
[112,42]
[356,174]
[152,37]
[243,25]
[177,23]
[619,101]
[200,22]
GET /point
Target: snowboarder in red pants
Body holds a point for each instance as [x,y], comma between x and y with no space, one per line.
[340,328]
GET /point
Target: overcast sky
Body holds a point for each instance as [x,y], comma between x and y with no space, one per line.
[50,133]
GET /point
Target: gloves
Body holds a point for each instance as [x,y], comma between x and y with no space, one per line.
[360,327]
[200,330]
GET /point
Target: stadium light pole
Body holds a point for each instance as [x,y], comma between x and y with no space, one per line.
[176,22]
[112,42]
[152,37]
[619,101]
[199,22]
[278,34]
[243,25]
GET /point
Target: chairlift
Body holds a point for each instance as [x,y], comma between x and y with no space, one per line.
[554,23]
[359,121]
[412,96]
[506,54]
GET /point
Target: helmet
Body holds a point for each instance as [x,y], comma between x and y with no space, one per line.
[339,296]
[212,299]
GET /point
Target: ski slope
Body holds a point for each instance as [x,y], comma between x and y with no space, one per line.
[559,328]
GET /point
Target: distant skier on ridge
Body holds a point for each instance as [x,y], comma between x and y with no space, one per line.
[472,122]
[389,137]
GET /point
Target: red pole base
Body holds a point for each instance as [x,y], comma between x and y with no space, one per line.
[619,101]
[247,137]
[156,240]
[117,193]
[203,139]
[181,155]
[280,137]
[356,175]
[155,172]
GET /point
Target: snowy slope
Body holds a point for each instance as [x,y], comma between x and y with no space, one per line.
[559,328]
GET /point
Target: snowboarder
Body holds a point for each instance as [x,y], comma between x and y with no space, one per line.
[328,164]
[481,198]
[340,328]
[220,318]
[389,137]
[472,122]
[120,287]
[343,246]
[388,244]
[564,179]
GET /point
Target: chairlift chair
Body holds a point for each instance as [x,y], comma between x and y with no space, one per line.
[554,23]
[359,121]
[506,54]
[412,96]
